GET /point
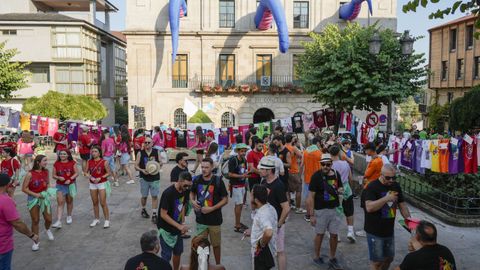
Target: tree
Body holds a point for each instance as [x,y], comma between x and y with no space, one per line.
[121,114]
[200,117]
[464,114]
[64,106]
[409,113]
[13,75]
[437,116]
[339,71]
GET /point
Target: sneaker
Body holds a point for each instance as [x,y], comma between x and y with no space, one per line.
[333,263]
[129,182]
[106,224]
[300,211]
[361,233]
[94,223]
[116,184]
[185,236]
[69,219]
[306,218]
[57,225]
[318,261]
[145,214]
[293,207]
[351,237]
[154,218]
[50,235]
[36,246]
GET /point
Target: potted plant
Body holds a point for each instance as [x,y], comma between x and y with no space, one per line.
[274,89]
[218,88]
[298,90]
[206,88]
[245,88]
[255,88]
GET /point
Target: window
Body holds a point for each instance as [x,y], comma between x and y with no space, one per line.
[300,14]
[228,120]
[444,70]
[9,32]
[67,42]
[449,97]
[264,70]
[476,67]
[227,13]
[120,71]
[469,37]
[180,71]
[227,70]
[180,118]
[459,69]
[453,39]
[69,79]
[39,73]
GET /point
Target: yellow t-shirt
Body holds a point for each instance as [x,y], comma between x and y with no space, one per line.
[25,121]
[435,157]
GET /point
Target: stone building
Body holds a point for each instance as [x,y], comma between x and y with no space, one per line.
[222,59]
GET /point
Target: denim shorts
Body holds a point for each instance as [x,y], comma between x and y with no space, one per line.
[167,251]
[6,260]
[124,159]
[64,189]
[149,187]
[111,162]
[380,248]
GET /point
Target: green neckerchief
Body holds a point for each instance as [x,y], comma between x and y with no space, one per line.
[312,148]
[72,190]
[108,188]
[170,239]
[61,131]
[200,229]
[45,202]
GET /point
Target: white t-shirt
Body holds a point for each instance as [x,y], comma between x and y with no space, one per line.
[4,113]
[342,167]
[263,219]
[278,165]
[385,159]
[426,161]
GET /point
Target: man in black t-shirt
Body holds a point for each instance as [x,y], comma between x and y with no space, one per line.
[173,205]
[323,197]
[284,155]
[182,166]
[382,198]
[148,259]
[425,253]
[278,199]
[208,196]
[237,173]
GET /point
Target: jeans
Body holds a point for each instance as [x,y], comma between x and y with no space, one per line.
[6,260]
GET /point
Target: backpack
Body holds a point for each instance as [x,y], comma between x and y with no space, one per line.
[225,169]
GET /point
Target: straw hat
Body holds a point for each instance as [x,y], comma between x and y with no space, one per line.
[152,167]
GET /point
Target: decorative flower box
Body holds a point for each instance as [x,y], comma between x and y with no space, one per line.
[218,89]
[245,88]
[255,88]
[206,88]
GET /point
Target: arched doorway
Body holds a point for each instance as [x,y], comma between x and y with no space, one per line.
[263,115]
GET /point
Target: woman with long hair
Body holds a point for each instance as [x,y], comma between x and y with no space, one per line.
[201,145]
[25,149]
[65,172]
[35,185]
[108,150]
[199,256]
[125,148]
[158,139]
[10,166]
[97,172]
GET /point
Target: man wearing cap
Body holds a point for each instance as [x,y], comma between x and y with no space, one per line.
[278,199]
[9,219]
[149,177]
[324,190]
[237,173]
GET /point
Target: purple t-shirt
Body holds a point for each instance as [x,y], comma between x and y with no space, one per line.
[407,155]
[8,213]
[223,139]
[418,157]
[455,160]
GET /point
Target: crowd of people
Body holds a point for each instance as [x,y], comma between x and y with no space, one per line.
[281,175]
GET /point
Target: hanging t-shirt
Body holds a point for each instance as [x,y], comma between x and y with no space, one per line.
[4,114]
[348,121]
[43,126]
[418,157]
[14,119]
[190,138]
[470,156]
[444,153]
[25,121]
[455,159]
[407,154]
[426,161]
[319,119]
[286,124]
[275,123]
[223,139]
[170,138]
[359,132]
[72,131]
[364,137]
[478,144]
[371,134]
[297,124]
[308,122]
[181,138]
[330,117]
[34,122]
[434,154]
[243,130]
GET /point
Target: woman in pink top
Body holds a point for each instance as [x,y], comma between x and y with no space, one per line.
[158,140]
[201,144]
[25,150]
[108,150]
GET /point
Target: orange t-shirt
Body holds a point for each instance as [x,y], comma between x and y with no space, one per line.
[311,161]
[374,170]
[444,154]
[294,164]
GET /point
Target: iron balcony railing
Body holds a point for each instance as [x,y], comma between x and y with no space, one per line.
[262,82]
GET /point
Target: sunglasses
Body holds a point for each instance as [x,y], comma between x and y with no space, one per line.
[326,164]
[390,178]
[147,142]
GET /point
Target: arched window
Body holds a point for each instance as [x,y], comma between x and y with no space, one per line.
[180,118]
[228,120]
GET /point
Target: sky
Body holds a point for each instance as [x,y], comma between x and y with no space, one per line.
[418,23]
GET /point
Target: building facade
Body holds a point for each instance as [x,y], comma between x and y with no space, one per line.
[68,50]
[454,59]
[224,65]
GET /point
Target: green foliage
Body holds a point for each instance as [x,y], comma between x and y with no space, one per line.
[464,113]
[437,116]
[13,75]
[338,69]
[200,117]
[409,112]
[63,106]
[121,114]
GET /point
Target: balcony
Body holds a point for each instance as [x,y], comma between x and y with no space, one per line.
[248,85]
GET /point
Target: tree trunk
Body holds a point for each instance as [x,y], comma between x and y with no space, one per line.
[389,116]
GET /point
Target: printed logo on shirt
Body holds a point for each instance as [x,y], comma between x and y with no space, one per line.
[205,194]
[327,196]
[178,209]
[388,211]
[444,264]
[141,266]
[469,151]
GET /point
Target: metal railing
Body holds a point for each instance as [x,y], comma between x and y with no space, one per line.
[264,84]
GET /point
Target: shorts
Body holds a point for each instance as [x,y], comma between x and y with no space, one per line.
[64,189]
[97,186]
[348,206]
[6,260]
[124,159]
[281,239]
[25,155]
[238,193]
[380,248]
[111,162]
[252,182]
[214,233]
[149,187]
[85,156]
[200,151]
[294,182]
[167,251]
[327,220]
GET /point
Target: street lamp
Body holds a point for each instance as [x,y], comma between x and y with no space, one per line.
[375,44]
[407,43]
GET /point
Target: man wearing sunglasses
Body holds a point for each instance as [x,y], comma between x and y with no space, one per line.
[324,190]
[382,198]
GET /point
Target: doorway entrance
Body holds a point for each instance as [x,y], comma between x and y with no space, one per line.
[263,115]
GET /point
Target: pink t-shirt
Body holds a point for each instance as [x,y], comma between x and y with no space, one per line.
[25,148]
[8,213]
[108,147]
[158,140]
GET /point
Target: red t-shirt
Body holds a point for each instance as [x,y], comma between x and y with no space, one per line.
[470,157]
[7,167]
[60,137]
[170,139]
[39,181]
[96,168]
[254,157]
[65,170]
[84,140]
[138,142]
[364,138]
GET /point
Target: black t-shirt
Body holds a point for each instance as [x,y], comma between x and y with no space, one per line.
[325,188]
[209,193]
[239,167]
[431,257]
[174,202]
[144,159]
[175,173]
[182,138]
[147,261]
[276,195]
[283,156]
[381,222]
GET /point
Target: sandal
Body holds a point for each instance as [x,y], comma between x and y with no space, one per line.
[243,226]
[239,230]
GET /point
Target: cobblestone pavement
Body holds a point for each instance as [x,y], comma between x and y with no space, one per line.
[77,246]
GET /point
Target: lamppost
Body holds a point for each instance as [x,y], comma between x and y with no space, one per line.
[406,43]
